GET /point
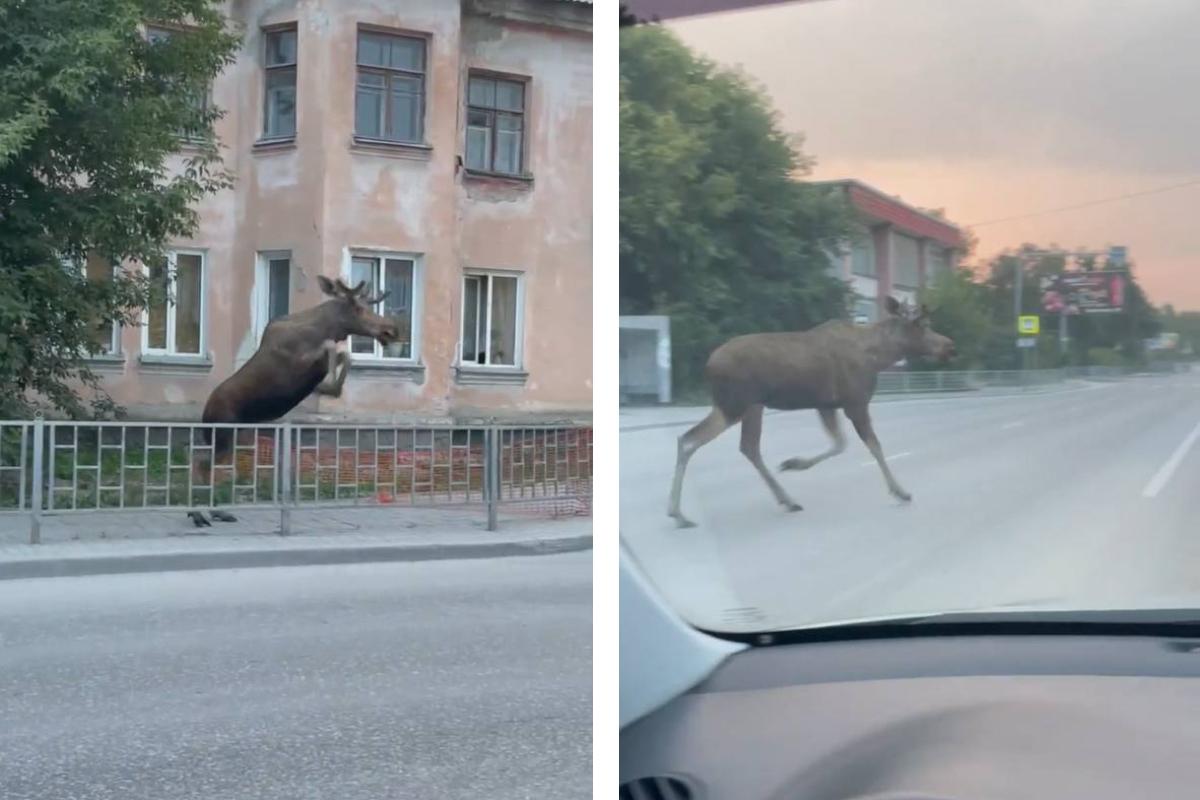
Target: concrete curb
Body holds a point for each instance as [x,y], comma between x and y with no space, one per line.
[290,557]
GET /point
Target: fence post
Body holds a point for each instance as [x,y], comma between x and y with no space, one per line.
[283,457]
[35,502]
[491,475]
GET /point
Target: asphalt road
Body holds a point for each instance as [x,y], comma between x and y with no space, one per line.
[454,679]
[1086,497]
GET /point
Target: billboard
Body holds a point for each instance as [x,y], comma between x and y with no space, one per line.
[1100,292]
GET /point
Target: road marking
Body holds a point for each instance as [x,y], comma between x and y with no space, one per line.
[1010,425]
[885,458]
[1164,474]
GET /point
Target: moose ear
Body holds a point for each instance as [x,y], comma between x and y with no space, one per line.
[326,285]
[892,305]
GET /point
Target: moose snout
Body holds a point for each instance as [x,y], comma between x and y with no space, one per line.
[388,333]
[949,351]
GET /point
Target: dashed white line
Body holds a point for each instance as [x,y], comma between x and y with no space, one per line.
[1010,425]
[1165,472]
[885,458]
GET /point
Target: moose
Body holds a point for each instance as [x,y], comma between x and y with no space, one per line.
[832,366]
[298,355]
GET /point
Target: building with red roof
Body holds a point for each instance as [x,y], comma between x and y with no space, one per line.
[900,250]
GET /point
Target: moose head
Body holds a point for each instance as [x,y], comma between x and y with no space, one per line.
[909,329]
[351,311]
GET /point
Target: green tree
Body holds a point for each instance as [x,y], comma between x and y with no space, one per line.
[716,230]
[959,308]
[91,111]
[1120,335]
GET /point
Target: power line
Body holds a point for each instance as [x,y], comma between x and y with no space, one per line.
[1089,203]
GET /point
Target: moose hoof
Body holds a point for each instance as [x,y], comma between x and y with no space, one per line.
[793,507]
[902,496]
[682,521]
[795,464]
[199,520]
[223,516]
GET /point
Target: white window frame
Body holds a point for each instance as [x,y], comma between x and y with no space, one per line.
[418,283]
[519,355]
[262,288]
[269,69]
[114,344]
[172,255]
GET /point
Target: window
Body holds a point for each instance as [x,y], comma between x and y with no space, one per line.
[174,325]
[495,124]
[198,98]
[936,262]
[389,100]
[279,111]
[491,320]
[862,255]
[864,311]
[273,285]
[396,275]
[905,271]
[105,333]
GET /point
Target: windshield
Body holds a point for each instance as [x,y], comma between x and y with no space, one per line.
[908,318]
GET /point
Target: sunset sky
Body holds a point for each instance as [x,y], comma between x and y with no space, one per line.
[997,108]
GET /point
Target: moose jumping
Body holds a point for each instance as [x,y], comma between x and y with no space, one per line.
[832,366]
[298,355]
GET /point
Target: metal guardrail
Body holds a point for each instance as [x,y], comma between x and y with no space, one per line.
[919,382]
[57,467]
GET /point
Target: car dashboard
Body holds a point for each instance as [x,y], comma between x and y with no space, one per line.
[971,717]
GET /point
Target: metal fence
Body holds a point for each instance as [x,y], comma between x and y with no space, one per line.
[917,382]
[54,467]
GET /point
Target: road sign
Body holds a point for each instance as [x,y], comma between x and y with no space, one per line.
[1029,325]
[1116,256]
[1026,342]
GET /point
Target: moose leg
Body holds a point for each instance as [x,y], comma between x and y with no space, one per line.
[862,423]
[710,428]
[332,385]
[751,438]
[830,421]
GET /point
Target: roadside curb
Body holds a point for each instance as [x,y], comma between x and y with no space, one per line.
[290,557]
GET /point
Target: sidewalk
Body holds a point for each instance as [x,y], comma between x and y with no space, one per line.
[107,543]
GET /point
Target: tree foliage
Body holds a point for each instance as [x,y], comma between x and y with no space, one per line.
[716,229]
[1093,338]
[960,308]
[90,114]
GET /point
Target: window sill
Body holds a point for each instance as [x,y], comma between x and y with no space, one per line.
[274,145]
[486,176]
[389,368]
[105,361]
[385,147]
[470,375]
[168,363]
[192,145]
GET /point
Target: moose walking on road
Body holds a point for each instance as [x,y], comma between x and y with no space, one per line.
[297,356]
[834,365]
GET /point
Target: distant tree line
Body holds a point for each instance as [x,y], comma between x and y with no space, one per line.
[975,308]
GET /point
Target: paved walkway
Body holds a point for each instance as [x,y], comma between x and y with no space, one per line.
[97,543]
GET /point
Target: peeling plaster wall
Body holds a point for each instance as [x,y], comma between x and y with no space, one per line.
[324,196]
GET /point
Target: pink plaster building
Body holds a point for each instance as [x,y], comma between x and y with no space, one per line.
[438,149]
